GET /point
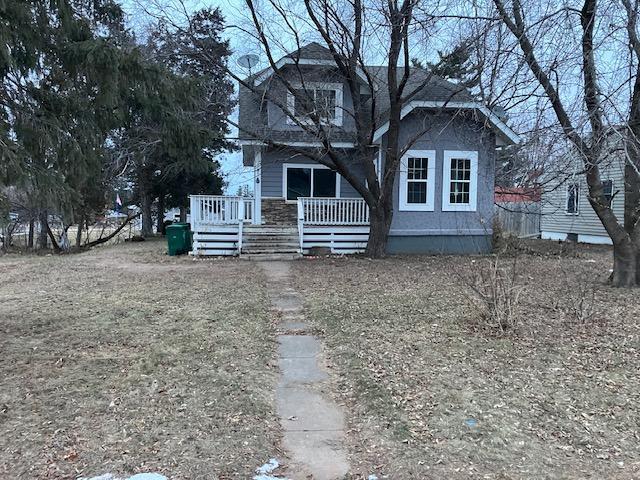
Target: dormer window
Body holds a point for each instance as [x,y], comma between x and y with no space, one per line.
[313,101]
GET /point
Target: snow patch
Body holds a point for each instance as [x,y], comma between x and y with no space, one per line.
[264,472]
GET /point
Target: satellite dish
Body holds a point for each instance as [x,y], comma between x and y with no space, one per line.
[248,61]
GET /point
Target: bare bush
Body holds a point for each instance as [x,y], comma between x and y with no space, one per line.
[504,242]
[496,292]
[579,304]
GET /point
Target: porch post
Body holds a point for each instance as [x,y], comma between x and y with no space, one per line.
[257,186]
[241,207]
[195,223]
[301,223]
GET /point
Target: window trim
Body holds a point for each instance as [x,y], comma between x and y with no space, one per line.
[336,87]
[566,199]
[312,166]
[472,206]
[429,205]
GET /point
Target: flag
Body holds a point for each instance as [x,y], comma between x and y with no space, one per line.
[118,202]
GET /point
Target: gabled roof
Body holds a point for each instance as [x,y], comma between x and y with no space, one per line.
[312,50]
[430,90]
[425,84]
[310,54]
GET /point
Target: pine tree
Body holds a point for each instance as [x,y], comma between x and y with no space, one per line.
[63,67]
[180,128]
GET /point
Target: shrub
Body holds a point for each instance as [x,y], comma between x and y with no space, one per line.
[496,293]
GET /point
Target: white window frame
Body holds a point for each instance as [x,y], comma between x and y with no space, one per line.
[447,206]
[566,199]
[312,166]
[336,87]
[428,206]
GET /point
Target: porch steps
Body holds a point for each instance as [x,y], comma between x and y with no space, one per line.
[270,240]
[270,257]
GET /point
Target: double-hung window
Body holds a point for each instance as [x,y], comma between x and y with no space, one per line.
[573,199]
[314,102]
[417,180]
[459,181]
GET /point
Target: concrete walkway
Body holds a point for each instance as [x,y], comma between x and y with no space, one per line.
[312,423]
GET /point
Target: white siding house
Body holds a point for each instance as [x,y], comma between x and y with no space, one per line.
[566,211]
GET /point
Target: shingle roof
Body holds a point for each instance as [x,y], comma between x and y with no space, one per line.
[253,119]
[312,51]
[426,86]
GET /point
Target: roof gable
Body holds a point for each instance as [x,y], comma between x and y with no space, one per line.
[426,89]
[310,54]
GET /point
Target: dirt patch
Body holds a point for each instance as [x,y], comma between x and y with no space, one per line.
[126,360]
[429,396]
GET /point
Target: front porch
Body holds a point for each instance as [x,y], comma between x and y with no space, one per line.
[232,225]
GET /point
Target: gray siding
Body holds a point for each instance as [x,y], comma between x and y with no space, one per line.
[448,132]
[271,178]
[554,201]
[277,119]
[440,244]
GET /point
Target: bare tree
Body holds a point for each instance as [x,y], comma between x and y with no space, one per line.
[351,31]
[586,64]
[371,44]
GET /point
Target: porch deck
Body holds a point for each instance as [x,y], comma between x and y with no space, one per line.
[232,225]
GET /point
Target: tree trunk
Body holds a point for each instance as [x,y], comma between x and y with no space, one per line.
[79,233]
[160,219]
[147,217]
[379,224]
[42,234]
[183,214]
[625,265]
[32,226]
[101,240]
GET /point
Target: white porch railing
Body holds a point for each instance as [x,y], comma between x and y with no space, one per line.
[220,209]
[341,224]
[333,211]
[219,220]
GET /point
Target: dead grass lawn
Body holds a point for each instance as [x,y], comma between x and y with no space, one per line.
[555,400]
[124,360]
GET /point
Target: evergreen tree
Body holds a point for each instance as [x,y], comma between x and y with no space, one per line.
[180,128]
[63,68]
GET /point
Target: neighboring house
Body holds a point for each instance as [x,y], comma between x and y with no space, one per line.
[443,196]
[566,211]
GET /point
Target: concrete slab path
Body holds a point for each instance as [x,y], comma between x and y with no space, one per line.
[313,424]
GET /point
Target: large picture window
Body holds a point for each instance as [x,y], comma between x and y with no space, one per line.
[460,181]
[309,181]
[417,180]
[321,100]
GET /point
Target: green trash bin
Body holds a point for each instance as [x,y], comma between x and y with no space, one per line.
[178,238]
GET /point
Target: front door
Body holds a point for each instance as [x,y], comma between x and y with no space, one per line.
[310,181]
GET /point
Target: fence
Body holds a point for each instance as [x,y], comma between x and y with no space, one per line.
[520,218]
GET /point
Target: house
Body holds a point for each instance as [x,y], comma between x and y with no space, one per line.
[443,194]
[566,211]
